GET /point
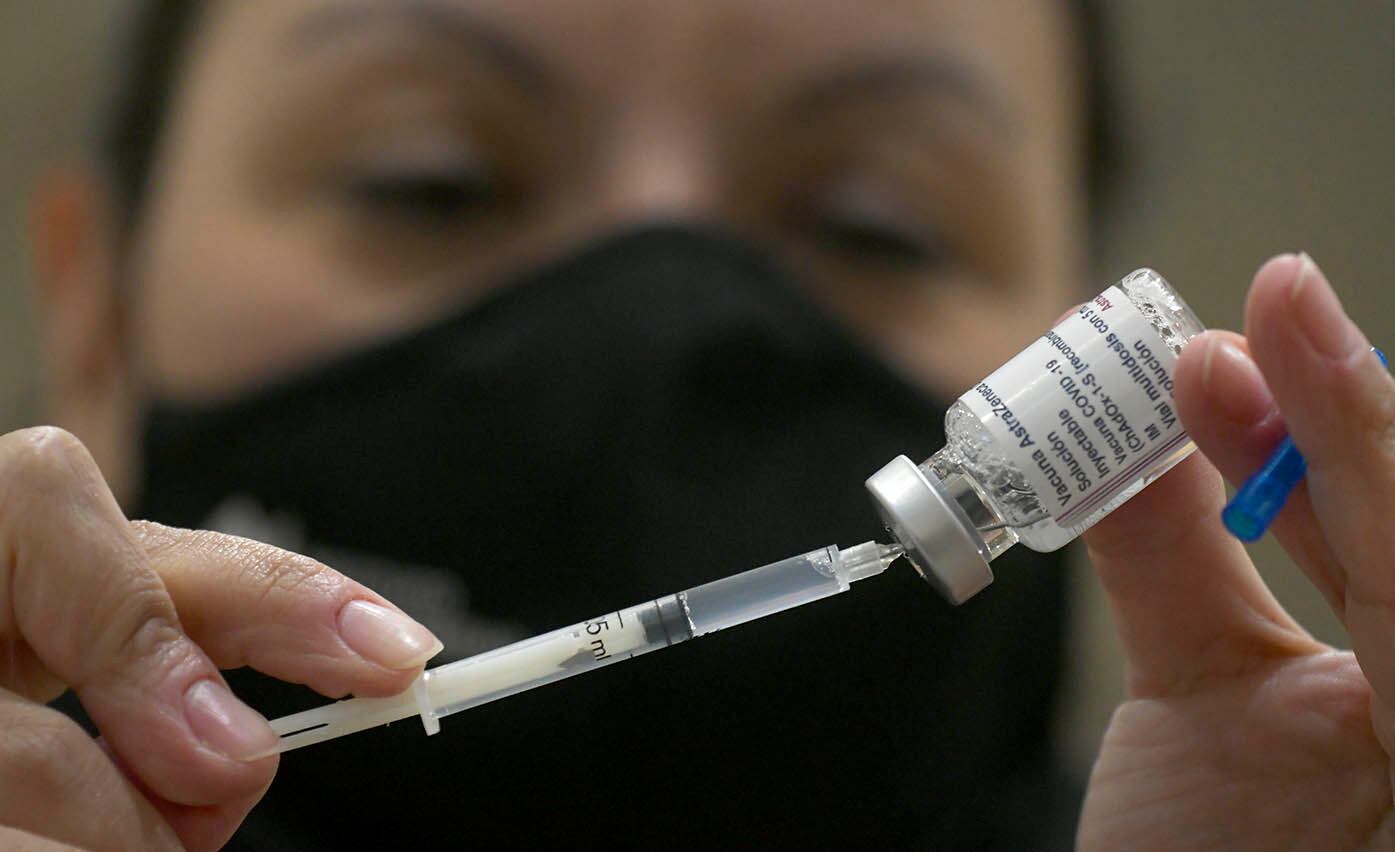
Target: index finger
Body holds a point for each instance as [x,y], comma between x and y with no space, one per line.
[75,586]
[1338,402]
[250,604]
[130,615]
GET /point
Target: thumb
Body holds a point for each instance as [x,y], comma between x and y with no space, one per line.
[1187,601]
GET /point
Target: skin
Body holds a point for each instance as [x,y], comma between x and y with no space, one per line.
[916,165]
[320,187]
[1240,730]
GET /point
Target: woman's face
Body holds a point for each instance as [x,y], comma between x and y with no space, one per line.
[336,171]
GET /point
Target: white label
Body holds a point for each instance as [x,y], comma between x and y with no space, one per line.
[1087,409]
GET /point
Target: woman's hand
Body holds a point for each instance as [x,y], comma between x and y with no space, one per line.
[137,619]
[1240,731]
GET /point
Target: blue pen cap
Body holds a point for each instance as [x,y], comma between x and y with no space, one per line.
[1254,507]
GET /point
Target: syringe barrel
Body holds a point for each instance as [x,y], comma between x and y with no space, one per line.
[764,591]
[582,647]
[598,642]
[638,630]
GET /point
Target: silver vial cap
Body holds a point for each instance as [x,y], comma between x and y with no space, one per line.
[938,536]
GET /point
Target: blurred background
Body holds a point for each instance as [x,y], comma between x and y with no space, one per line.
[1251,127]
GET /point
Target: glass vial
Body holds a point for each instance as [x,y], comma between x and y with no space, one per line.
[1055,439]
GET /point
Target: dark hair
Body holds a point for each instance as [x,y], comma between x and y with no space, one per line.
[159,33]
[154,37]
[1102,137]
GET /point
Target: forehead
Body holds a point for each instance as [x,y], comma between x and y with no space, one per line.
[1016,49]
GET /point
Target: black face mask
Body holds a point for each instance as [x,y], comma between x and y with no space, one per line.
[659,410]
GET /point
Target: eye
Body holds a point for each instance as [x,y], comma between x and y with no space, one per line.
[862,238]
[865,228]
[432,195]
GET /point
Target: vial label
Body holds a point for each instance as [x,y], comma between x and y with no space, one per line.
[1086,409]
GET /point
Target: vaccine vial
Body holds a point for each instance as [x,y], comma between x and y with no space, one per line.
[1057,438]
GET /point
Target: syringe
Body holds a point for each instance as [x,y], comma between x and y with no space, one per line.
[592,644]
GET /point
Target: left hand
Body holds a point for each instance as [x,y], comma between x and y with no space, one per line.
[1240,731]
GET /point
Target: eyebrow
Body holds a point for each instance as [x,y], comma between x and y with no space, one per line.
[433,18]
[891,75]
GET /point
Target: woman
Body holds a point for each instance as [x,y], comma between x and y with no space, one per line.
[515,313]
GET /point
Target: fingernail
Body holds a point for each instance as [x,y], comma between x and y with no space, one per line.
[1320,316]
[224,723]
[386,637]
[1232,380]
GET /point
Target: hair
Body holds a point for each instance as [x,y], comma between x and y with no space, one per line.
[1102,135]
[154,37]
[158,34]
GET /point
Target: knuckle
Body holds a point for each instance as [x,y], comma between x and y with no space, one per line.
[43,452]
[140,632]
[281,576]
[1365,400]
[264,576]
[146,620]
[1383,424]
[1377,423]
[265,572]
[293,572]
[41,462]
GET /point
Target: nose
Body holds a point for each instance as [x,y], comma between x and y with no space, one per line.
[660,170]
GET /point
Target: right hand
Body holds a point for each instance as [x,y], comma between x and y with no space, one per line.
[137,619]
[1240,730]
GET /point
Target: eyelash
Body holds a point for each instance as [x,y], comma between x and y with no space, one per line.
[440,196]
[878,240]
[435,195]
